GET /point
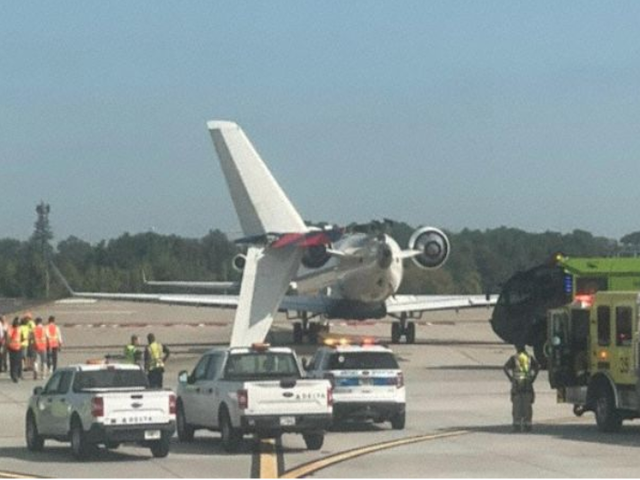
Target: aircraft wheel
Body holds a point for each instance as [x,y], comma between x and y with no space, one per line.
[411,332]
[298,333]
[396,332]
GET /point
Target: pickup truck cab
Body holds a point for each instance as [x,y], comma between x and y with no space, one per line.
[367,382]
[259,390]
[89,405]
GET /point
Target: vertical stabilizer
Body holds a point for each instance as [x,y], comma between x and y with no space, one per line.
[261,205]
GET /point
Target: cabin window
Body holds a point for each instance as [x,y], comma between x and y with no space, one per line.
[604,326]
[623,326]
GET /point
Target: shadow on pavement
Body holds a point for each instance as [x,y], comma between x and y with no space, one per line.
[628,436]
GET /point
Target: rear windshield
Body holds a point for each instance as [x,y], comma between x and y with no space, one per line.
[362,361]
[110,379]
[256,366]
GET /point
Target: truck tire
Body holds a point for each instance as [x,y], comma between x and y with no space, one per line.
[160,448]
[35,441]
[398,421]
[185,430]
[80,448]
[313,441]
[608,418]
[231,437]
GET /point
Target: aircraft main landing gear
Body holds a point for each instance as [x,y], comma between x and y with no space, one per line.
[304,328]
[403,327]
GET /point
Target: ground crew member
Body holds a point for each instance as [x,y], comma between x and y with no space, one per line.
[25,338]
[54,340]
[3,344]
[14,345]
[39,341]
[132,352]
[522,370]
[154,357]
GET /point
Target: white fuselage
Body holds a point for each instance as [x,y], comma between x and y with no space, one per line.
[365,268]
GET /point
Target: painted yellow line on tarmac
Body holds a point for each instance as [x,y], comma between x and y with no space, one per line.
[268,458]
[311,467]
[16,475]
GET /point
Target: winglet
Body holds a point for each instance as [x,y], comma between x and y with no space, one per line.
[61,278]
[260,203]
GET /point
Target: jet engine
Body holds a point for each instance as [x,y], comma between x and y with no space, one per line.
[433,245]
[315,256]
[239,262]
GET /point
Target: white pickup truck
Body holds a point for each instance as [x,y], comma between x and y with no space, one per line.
[259,390]
[89,405]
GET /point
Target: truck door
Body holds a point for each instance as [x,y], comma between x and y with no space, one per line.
[211,392]
[601,334]
[622,365]
[192,397]
[558,342]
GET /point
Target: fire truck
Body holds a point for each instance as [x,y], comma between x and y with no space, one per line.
[520,315]
[593,356]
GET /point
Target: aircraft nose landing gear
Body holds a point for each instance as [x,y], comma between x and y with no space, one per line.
[403,327]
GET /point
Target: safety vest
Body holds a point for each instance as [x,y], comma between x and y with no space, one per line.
[155,356]
[53,335]
[130,353]
[14,339]
[40,339]
[522,370]
[24,332]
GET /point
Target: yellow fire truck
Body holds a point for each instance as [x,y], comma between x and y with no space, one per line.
[593,356]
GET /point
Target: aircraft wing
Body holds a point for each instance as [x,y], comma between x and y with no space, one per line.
[430,303]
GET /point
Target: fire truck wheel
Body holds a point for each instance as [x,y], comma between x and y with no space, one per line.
[608,417]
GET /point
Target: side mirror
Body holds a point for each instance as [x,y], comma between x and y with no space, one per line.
[305,363]
[183,377]
[38,390]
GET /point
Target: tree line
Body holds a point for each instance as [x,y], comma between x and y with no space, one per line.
[481,260]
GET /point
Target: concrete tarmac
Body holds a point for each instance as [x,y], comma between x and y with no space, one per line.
[458,409]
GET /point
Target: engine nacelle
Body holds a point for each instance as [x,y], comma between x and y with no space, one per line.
[433,244]
[315,256]
[238,262]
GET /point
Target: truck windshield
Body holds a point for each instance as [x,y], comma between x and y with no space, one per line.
[110,379]
[255,366]
[362,361]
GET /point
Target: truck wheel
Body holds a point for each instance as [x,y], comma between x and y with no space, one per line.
[231,437]
[160,448]
[411,333]
[185,431]
[398,421]
[35,441]
[79,445]
[608,418]
[396,332]
[313,441]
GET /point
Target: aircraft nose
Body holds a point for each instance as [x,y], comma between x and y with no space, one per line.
[385,256]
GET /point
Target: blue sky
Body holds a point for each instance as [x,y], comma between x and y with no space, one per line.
[453,114]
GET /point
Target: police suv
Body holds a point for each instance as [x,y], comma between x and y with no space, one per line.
[367,382]
[88,405]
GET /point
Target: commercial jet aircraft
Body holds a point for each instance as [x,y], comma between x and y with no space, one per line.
[307,272]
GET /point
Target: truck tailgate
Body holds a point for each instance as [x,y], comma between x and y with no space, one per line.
[135,407]
[286,398]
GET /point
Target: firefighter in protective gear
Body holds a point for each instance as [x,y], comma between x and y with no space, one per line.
[155,355]
[14,345]
[39,342]
[132,352]
[522,370]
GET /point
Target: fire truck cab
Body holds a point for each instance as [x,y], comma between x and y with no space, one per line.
[593,356]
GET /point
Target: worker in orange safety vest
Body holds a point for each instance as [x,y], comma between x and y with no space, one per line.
[40,344]
[14,345]
[54,340]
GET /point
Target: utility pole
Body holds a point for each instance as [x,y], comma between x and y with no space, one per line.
[41,237]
